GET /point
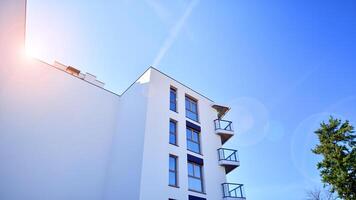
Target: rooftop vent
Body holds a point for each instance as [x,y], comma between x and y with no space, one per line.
[60,65]
[92,79]
[75,72]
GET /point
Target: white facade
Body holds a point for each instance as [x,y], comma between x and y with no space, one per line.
[63,136]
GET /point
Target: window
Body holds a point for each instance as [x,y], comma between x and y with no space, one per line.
[172,132]
[195,177]
[173,99]
[193,140]
[191,108]
[173,171]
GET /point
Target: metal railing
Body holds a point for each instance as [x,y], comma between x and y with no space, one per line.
[233,190]
[228,154]
[223,125]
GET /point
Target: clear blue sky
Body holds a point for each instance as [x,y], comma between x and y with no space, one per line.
[283,66]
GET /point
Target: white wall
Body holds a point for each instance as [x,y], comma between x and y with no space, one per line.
[55,134]
[55,130]
[12,27]
[154,183]
[124,172]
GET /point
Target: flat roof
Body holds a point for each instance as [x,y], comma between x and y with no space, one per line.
[51,65]
[169,78]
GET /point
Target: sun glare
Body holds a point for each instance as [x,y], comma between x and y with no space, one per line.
[31,51]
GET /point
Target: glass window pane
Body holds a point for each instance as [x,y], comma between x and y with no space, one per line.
[173,106]
[190,145]
[172,132]
[196,148]
[194,107]
[173,95]
[195,137]
[172,163]
[195,117]
[187,103]
[197,171]
[172,127]
[193,146]
[190,169]
[189,133]
[191,115]
[191,109]
[172,178]
[173,100]
[172,139]
[195,184]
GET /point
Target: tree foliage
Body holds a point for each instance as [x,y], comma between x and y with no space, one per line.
[337,146]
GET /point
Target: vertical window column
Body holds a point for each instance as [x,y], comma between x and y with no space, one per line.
[173,171]
[173,132]
[195,177]
[191,108]
[193,140]
[173,99]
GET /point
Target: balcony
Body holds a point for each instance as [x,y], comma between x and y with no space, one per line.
[233,191]
[224,129]
[221,109]
[229,159]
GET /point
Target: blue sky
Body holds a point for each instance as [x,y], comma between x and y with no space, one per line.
[283,66]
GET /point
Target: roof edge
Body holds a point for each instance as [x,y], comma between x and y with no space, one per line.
[151,67]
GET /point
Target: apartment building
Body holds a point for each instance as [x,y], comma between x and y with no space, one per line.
[63,136]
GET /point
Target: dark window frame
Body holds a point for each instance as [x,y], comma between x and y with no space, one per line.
[175,171]
[192,140]
[175,133]
[174,90]
[196,177]
[191,101]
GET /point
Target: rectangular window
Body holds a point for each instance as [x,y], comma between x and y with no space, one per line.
[173,99]
[195,177]
[173,181]
[193,140]
[191,108]
[172,132]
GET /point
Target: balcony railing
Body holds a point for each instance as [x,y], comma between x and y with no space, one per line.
[223,125]
[228,155]
[233,190]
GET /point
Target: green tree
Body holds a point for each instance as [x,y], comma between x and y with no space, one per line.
[337,146]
